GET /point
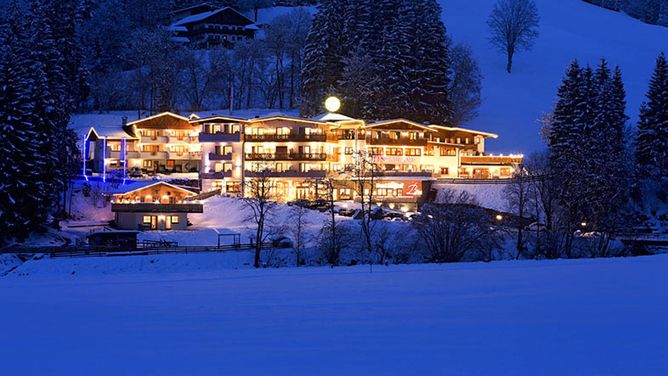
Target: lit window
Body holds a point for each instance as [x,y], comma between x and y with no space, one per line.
[147,219]
[175,219]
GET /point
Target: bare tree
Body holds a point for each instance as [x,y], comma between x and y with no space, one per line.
[517,193]
[254,5]
[456,227]
[298,229]
[465,84]
[260,199]
[331,232]
[364,173]
[513,27]
[277,41]
[204,73]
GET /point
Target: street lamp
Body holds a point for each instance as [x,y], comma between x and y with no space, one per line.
[332,104]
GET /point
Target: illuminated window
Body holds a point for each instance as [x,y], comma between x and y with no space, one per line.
[147,219]
[175,219]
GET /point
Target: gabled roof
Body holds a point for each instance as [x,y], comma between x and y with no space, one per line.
[200,17]
[333,117]
[115,133]
[286,118]
[165,120]
[202,5]
[458,129]
[219,117]
[404,121]
[139,185]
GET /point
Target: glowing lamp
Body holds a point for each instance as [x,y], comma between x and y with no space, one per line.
[333,104]
[499,217]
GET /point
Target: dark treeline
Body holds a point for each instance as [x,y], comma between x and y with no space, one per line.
[41,82]
[598,177]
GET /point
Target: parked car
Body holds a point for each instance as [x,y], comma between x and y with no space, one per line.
[135,172]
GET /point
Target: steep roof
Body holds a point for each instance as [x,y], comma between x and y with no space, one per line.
[165,120]
[226,15]
[139,185]
[407,122]
[458,129]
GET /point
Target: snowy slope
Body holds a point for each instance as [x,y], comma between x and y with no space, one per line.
[569,29]
[567,317]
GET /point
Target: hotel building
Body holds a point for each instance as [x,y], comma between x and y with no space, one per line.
[294,152]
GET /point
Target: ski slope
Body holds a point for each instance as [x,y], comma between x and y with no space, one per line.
[569,29]
[196,315]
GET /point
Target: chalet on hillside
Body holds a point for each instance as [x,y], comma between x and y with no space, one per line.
[224,26]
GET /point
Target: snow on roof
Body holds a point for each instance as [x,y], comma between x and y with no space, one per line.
[333,117]
[180,39]
[203,16]
[492,135]
[137,185]
[393,121]
[177,116]
[175,27]
[106,125]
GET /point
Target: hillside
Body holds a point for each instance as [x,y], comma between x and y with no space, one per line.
[569,29]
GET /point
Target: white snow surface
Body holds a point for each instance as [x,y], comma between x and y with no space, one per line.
[569,29]
[194,315]
[488,196]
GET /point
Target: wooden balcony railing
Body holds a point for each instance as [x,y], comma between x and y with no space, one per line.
[147,207]
[216,175]
[285,137]
[286,156]
[219,137]
[491,159]
[220,157]
[396,141]
[286,174]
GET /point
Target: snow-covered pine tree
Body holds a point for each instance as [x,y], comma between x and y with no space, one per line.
[652,136]
[323,56]
[20,168]
[568,155]
[605,175]
[56,94]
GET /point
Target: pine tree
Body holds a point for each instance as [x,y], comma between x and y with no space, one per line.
[406,43]
[19,158]
[652,135]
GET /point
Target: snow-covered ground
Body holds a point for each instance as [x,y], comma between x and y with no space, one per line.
[191,315]
[569,29]
[488,196]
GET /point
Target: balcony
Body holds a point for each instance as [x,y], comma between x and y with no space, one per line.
[397,141]
[220,157]
[286,157]
[286,174]
[285,138]
[412,174]
[154,139]
[219,137]
[182,140]
[491,159]
[148,207]
[154,155]
[184,155]
[216,175]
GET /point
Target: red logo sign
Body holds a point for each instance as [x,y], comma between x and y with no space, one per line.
[412,188]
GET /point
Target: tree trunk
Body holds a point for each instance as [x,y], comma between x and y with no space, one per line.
[509,65]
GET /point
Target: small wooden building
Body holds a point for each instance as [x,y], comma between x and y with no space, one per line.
[152,205]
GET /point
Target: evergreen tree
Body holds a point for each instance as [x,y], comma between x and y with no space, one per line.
[652,136]
[406,43]
[20,164]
